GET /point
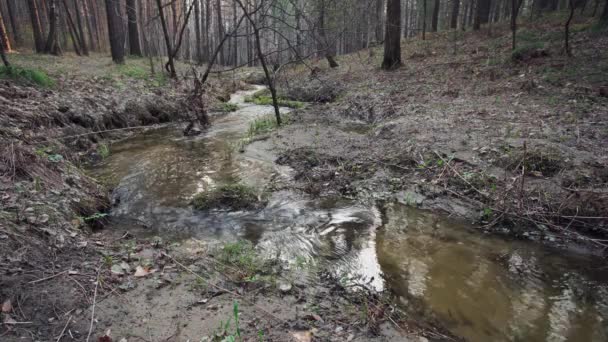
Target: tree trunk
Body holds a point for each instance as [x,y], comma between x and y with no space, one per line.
[52,43]
[435,19]
[567,29]
[76,41]
[236,38]
[515,6]
[220,29]
[4,41]
[604,16]
[378,28]
[325,45]
[115,31]
[134,45]
[482,13]
[15,25]
[424,19]
[83,41]
[163,23]
[87,18]
[36,27]
[455,12]
[207,43]
[392,38]
[197,32]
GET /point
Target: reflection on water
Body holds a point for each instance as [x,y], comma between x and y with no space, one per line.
[488,289]
[481,287]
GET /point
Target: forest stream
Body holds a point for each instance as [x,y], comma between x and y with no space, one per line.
[481,287]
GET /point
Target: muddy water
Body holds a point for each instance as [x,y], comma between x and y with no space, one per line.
[482,288]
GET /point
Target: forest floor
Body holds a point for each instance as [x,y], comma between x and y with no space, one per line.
[516,141]
[60,267]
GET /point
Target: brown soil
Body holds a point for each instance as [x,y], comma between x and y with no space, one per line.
[517,143]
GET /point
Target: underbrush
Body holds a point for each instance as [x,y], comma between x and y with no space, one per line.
[229,196]
[26,75]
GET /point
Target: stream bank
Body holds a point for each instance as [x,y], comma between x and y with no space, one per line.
[413,265]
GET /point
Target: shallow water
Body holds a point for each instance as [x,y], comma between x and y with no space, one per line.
[481,287]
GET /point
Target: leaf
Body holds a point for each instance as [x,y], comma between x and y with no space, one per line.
[142,272]
[302,336]
[7,306]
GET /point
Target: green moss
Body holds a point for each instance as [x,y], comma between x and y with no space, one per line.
[230,196]
[264,98]
[227,107]
[267,101]
[27,75]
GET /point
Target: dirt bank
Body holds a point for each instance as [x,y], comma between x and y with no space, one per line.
[513,141]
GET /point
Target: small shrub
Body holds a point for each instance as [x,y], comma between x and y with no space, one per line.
[528,51]
[26,75]
[230,196]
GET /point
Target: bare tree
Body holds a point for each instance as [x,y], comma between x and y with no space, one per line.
[36,27]
[14,24]
[81,37]
[567,28]
[134,44]
[392,36]
[197,32]
[52,44]
[4,41]
[454,15]
[435,18]
[115,31]
[515,6]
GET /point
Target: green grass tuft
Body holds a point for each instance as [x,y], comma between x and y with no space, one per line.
[264,98]
[26,75]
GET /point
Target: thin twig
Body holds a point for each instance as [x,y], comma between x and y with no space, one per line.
[47,278]
[94,302]
[64,327]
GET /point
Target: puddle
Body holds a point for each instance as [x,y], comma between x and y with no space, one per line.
[481,287]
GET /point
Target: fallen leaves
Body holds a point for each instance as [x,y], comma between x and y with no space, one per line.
[143,271]
[7,306]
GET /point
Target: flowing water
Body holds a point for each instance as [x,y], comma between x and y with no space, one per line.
[483,288]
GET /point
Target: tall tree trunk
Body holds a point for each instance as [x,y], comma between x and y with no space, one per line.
[76,41]
[378,28]
[36,27]
[435,18]
[424,19]
[455,12]
[515,6]
[15,25]
[567,29]
[115,31]
[4,41]
[325,44]
[220,28]
[604,16]
[197,32]
[87,18]
[83,41]
[134,45]
[52,43]
[482,13]
[207,43]
[163,23]
[235,52]
[392,37]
